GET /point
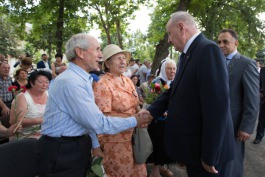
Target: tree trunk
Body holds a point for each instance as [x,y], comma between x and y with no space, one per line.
[59,30]
[161,53]
[163,45]
[118,31]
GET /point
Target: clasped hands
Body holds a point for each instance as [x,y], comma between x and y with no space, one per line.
[143,118]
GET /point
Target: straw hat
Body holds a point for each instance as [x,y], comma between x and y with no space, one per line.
[113,49]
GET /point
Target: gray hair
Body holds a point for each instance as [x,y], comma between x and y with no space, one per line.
[76,41]
[183,16]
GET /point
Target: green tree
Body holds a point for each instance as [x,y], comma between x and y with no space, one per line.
[8,37]
[139,46]
[52,21]
[112,17]
[211,16]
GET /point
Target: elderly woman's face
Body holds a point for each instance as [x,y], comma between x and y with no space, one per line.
[170,71]
[41,84]
[117,63]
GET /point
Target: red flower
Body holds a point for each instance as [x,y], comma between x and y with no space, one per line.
[23,89]
[12,88]
[157,87]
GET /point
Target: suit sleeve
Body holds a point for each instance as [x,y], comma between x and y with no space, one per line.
[250,81]
[38,65]
[213,84]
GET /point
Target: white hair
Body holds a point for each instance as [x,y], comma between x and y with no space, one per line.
[183,16]
[80,40]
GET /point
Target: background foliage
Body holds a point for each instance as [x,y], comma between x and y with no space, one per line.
[44,25]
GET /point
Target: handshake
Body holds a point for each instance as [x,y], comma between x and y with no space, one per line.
[143,118]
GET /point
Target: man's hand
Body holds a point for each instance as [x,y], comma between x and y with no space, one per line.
[97,152]
[242,136]
[5,110]
[210,169]
[143,118]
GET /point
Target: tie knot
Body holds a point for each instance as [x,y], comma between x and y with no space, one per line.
[182,55]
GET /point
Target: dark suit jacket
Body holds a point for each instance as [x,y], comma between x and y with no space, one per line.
[262,84]
[41,64]
[199,124]
[244,92]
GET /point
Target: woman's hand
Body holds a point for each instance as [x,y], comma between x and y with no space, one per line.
[13,129]
[97,152]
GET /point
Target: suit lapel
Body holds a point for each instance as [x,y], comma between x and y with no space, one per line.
[186,59]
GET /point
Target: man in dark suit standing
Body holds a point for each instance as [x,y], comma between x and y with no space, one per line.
[199,130]
[244,94]
[44,63]
[261,124]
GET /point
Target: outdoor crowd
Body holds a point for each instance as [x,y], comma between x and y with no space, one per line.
[207,106]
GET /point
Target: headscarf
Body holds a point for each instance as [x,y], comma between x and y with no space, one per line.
[163,74]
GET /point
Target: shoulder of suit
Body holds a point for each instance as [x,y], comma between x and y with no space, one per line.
[246,59]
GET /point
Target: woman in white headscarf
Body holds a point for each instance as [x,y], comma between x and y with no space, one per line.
[159,158]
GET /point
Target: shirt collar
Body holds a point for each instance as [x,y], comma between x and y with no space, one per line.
[190,41]
[231,55]
[77,69]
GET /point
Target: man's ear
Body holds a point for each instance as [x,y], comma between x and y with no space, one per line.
[236,43]
[79,52]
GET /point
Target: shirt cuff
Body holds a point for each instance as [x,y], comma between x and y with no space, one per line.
[133,121]
[94,140]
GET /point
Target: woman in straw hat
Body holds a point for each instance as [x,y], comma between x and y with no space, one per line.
[115,95]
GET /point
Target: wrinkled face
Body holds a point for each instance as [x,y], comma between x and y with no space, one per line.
[176,35]
[117,64]
[135,80]
[170,71]
[4,69]
[227,43]
[22,75]
[91,56]
[41,84]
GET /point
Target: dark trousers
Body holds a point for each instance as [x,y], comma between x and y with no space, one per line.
[238,162]
[61,157]
[198,171]
[261,123]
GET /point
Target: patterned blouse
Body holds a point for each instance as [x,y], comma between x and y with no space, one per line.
[116,99]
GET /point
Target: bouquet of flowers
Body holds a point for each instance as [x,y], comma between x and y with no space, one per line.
[153,91]
[96,169]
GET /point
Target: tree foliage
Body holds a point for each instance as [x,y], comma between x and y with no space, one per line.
[53,22]
[112,17]
[8,38]
[211,16]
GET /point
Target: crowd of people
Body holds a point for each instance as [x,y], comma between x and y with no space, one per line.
[90,107]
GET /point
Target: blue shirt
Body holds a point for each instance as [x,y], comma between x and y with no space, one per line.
[230,57]
[71,109]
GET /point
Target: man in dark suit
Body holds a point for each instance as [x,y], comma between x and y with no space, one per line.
[244,94]
[199,130]
[44,63]
[261,124]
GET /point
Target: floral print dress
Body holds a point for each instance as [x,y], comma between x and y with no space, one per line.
[118,99]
